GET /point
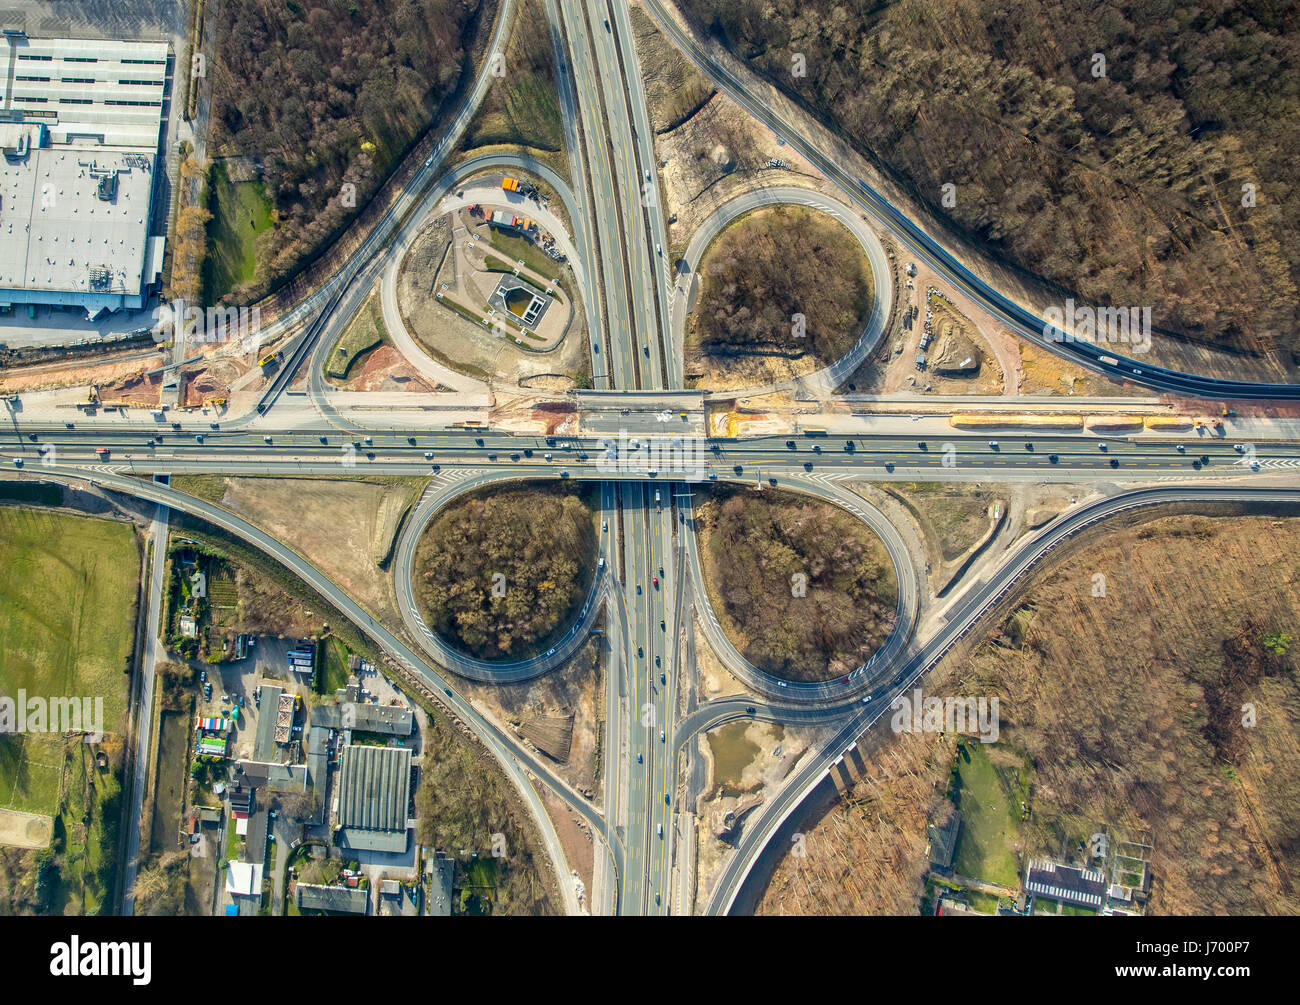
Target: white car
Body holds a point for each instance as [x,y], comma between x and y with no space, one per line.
[18,462]
[866,699]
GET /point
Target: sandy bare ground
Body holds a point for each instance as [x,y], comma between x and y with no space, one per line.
[335,523]
[575,689]
[385,369]
[25,830]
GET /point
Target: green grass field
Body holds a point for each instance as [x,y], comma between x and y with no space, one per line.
[31,770]
[366,331]
[67,607]
[240,212]
[518,249]
[990,817]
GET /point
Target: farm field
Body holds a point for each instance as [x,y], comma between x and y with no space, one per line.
[67,605]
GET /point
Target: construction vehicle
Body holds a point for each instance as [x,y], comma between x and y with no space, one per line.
[509,184]
[268,359]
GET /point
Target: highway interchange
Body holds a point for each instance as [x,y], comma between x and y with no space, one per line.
[636,314]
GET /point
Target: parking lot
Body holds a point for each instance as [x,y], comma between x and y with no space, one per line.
[267,662]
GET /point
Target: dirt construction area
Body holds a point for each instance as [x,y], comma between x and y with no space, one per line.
[454,256]
[25,830]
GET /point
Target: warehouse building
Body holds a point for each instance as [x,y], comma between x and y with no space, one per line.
[80,122]
[374,792]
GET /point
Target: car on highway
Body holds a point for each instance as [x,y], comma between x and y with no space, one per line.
[993,444]
[638,589]
[546,457]
[713,476]
[790,444]
[638,757]
[655,581]
[662,678]
[750,709]
[428,455]
[266,439]
[666,800]
[429,161]
[866,699]
[18,462]
[782,683]
[198,437]
[1239,447]
[1054,458]
[657,663]
[663,737]
[1101,446]
[640,652]
[551,651]
[1181,449]
[1114,462]
[659,249]
[661,834]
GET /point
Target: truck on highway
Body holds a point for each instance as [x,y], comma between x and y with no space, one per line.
[1108,360]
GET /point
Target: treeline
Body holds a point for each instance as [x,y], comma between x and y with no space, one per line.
[327,92]
[816,627]
[783,282]
[1126,187]
[496,575]
[466,805]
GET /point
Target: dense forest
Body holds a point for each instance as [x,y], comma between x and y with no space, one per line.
[1166,706]
[541,542]
[1122,182]
[816,628]
[323,92]
[773,265]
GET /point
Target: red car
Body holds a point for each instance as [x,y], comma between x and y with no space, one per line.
[655,580]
